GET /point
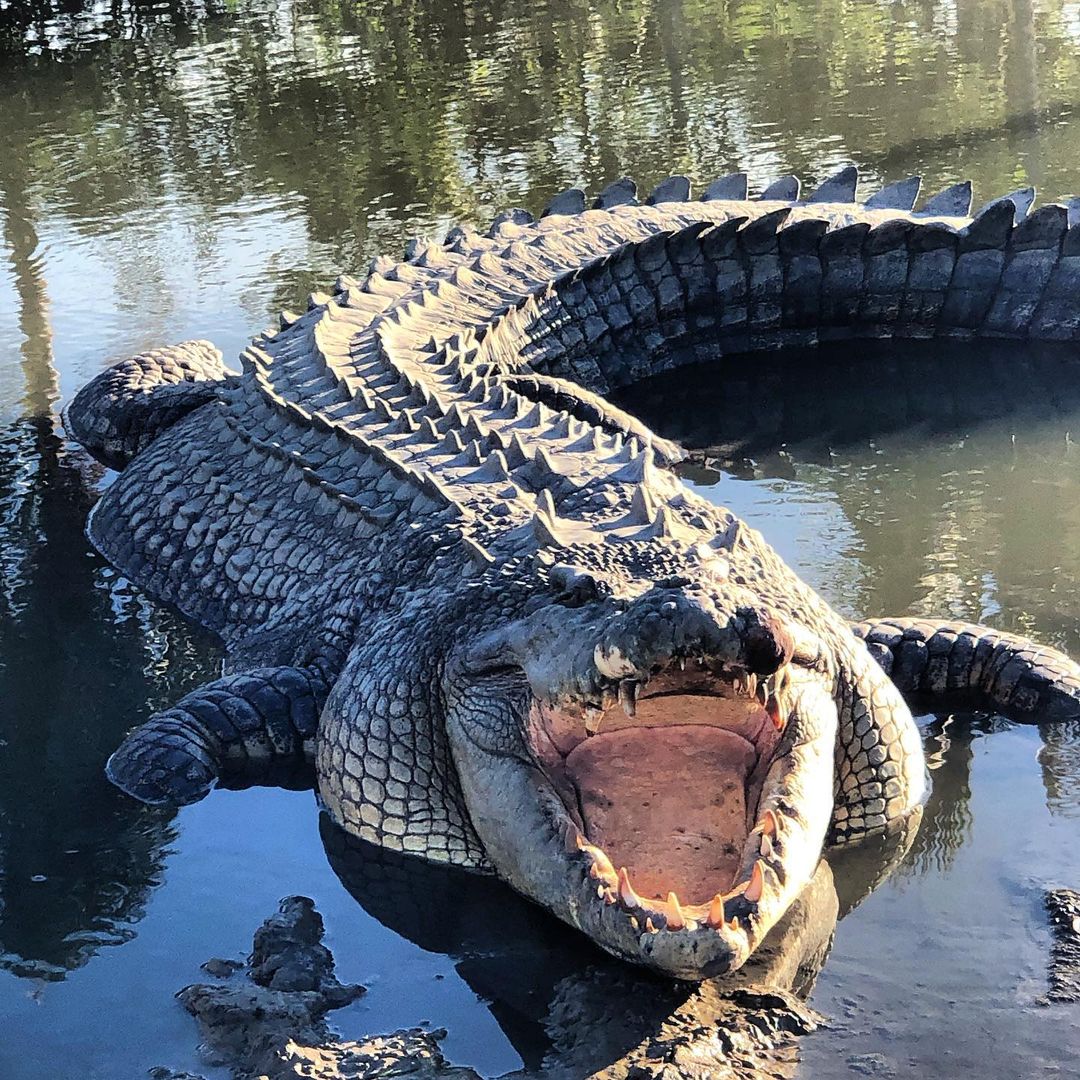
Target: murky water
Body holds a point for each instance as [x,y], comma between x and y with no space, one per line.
[179,170]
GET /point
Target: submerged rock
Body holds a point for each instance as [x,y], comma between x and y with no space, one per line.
[266,1019]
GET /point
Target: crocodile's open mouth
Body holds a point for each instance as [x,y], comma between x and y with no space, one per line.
[661,791]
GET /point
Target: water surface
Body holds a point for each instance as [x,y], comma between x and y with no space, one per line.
[175,170]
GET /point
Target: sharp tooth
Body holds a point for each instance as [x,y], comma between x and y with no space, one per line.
[762,693]
[751,685]
[682,663]
[766,847]
[627,895]
[628,696]
[592,720]
[609,896]
[734,924]
[650,925]
[715,918]
[675,919]
[772,707]
[572,839]
[757,884]
[601,864]
[769,824]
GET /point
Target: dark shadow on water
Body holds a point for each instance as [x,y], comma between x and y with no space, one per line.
[809,402]
[82,658]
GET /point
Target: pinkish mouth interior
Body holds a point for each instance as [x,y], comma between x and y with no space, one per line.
[668,804]
[667,788]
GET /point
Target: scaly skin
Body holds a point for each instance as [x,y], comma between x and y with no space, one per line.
[414,516]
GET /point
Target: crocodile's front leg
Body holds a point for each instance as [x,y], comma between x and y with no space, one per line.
[243,729]
[941,664]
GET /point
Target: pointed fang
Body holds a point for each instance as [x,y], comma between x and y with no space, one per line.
[629,898]
[715,918]
[675,920]
[757,884]
[772,707]
[628,691]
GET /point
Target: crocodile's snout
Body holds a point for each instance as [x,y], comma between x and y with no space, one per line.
[669,785]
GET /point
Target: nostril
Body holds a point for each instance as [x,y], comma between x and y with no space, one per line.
[767,644]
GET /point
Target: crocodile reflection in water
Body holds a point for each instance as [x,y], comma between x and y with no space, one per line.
[570,1010]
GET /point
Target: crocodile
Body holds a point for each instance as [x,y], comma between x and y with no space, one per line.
[475,595]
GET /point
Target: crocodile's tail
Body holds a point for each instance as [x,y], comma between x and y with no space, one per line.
[124,408]
[960,664]
[254,728]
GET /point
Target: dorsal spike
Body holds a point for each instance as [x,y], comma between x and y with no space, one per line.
[664,526]
[474,452]
[317,299]
[954,201]
[733,186]
[516,453]
[534,417]
[479,555]
[515,215]
[642,506]
[545,502]
[428,431]
[991,226]
[404,424]
[785,189]
[641,470]
[476,430]
[1021,200]
[560,429]
[383,410]
[546,530]
[622,192]
[673,189]
[286,319]
[494,467]
[551,469]
[478,391]
[759,234]
[571,201]
[454,418]
[452,443]
[839,188]
[363,397]
[900,195]
[343,283]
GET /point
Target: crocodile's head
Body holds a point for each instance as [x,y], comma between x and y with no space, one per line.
[658,771]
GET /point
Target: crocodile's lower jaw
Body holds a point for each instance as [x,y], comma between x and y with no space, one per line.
[658,796]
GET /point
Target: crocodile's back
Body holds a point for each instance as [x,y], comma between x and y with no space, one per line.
[426,402]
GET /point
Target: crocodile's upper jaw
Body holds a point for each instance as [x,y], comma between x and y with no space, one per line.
[672,811]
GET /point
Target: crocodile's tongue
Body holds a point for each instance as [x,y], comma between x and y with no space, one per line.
[668,803]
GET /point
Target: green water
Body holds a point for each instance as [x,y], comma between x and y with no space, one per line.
[178,170]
